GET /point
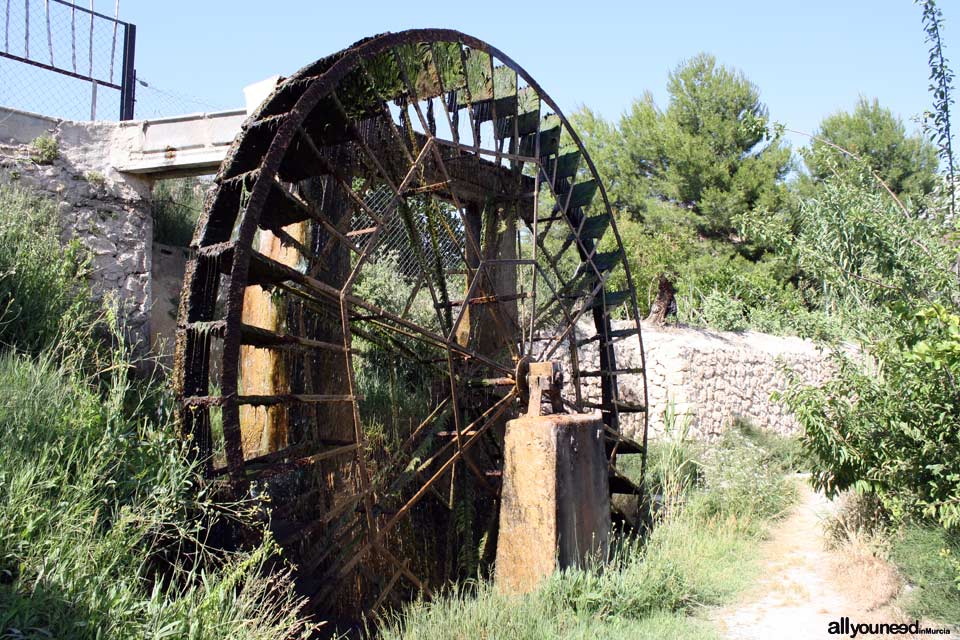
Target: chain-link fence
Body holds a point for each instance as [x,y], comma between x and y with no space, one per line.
[427,231]
[63,60]
[60,59]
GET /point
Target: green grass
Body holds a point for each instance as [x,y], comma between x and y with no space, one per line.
[176,206]
[785,453]
[103,532]
[488,614]
[701,553]
[929,559]
[42,298]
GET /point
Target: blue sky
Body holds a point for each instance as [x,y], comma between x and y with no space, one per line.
[808,58]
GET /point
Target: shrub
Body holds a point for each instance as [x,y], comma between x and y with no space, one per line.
[383,283]
[44,150]
[663,243]
[719,285]
[892,430]
[859,519]
[95,178]
[720,311]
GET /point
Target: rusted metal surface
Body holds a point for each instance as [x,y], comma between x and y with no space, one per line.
[402,236]
[544,379]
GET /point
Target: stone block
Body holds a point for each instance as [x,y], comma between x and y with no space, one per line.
[555,510]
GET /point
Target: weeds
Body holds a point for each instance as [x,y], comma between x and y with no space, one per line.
[743,479]
[782,452]
[95,178]
[102,531]
[44,150]
[673,465]
[858,519]
[482,612]
[104,528]
[927,556]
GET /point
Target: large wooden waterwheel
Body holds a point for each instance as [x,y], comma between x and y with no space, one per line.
[400,229]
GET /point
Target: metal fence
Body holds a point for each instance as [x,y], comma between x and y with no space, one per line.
[395,240]
[63,60]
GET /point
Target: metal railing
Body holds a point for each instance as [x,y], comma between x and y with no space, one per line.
[89,51]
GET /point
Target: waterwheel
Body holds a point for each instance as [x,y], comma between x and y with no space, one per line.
[398,232]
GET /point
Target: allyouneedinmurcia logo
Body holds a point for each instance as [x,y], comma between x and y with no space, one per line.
[845,626]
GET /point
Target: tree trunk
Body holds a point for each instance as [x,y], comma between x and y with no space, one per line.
[665,303]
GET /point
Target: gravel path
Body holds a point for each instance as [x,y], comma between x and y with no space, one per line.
[802,586]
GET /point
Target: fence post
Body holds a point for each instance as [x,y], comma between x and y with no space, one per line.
[128,83]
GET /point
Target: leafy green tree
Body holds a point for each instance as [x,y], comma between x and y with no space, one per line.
[891,429]
[907,163]
[884,423]
[683,177]
[707,152]
[601,139]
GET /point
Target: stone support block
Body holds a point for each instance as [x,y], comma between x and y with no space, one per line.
[556,504]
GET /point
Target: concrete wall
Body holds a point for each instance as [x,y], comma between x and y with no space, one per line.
[713,378]
[107,211]
[169,265]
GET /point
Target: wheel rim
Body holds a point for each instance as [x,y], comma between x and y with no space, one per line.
[412,214]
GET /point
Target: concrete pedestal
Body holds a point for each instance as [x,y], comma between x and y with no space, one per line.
[555,509]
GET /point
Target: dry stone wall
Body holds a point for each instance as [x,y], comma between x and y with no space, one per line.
[711,379]
[108,212]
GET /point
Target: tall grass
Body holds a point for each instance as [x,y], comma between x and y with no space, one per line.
[701,552]
[103,523]
[177,204]
[102,529]
[42,298]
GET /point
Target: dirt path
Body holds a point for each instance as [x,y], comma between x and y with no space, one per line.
[802,586]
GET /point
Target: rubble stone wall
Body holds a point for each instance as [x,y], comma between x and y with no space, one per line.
[710,379]
[108,212]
